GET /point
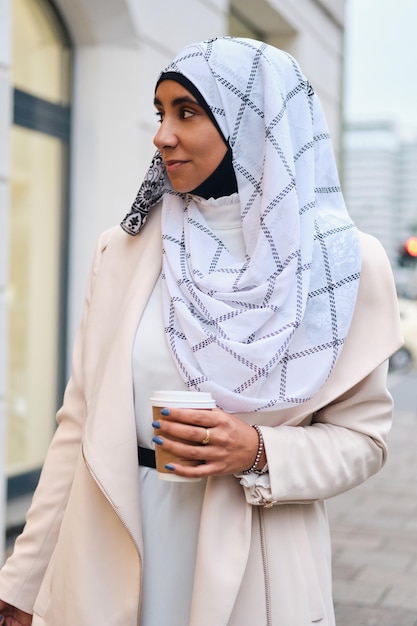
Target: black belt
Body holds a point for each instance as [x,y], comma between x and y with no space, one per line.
[146,457]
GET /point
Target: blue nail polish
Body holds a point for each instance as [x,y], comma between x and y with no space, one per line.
[169,467]
[156,424]
[164,411]
[158,440]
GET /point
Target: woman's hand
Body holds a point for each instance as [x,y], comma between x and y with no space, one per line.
[12,616]
[232,445]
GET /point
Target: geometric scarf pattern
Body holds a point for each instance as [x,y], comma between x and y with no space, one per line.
[265,333]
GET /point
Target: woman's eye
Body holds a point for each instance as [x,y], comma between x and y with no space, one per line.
[186,113]
[160,116]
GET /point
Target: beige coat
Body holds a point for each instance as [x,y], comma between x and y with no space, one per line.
[78,561]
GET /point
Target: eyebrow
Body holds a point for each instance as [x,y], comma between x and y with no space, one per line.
[177,101]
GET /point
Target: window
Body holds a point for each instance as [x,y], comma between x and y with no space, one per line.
[41,66]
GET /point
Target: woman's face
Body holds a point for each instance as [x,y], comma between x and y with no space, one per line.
[189,142]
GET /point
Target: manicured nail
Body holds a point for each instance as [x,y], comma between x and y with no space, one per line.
[164,411]
[158,440]
[169,467]
[156,424]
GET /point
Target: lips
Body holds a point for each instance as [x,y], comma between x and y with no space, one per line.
[172,165]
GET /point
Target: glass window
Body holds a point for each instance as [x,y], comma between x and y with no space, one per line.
[35,228]
[41,56]
[39,156]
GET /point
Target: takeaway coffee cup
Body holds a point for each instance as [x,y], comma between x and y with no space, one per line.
[177,399]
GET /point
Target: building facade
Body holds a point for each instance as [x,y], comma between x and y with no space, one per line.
[76,128]
[370,180]
[380,188]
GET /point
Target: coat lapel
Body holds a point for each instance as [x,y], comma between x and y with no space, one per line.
[127,274]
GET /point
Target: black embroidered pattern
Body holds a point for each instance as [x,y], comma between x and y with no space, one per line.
[150,192]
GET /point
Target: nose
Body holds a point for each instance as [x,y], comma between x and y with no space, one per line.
[166,136]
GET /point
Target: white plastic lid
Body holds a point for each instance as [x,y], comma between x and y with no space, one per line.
[183,399]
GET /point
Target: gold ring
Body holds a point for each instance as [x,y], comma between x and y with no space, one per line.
[206,439]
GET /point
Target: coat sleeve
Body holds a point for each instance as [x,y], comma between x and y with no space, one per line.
[344,444]
[22,574]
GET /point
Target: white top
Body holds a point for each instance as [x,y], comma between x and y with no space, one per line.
[170,511]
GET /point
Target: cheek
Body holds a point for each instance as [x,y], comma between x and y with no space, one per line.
[217,154]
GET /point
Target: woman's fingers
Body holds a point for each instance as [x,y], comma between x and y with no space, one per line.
[187,424]
[223,443]
[196,417]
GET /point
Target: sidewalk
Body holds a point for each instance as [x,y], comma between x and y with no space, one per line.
[374,536]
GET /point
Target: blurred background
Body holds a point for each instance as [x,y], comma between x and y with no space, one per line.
[76,127]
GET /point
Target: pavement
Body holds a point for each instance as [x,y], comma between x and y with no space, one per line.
[373,529]
[374,535]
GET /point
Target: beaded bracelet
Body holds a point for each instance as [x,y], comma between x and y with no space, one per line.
[258,454]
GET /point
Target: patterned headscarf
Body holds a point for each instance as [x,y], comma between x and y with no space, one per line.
[265,333]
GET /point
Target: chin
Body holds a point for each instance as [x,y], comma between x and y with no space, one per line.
[181,188]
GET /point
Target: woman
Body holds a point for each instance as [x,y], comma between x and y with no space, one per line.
[238,271]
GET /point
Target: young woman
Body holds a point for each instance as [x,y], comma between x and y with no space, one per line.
[238,271]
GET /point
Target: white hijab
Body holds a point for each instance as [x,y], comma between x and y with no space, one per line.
[266,333]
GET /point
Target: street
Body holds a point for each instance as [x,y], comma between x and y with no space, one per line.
[374,529]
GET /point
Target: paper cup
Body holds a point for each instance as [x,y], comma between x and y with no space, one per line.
[183,400]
